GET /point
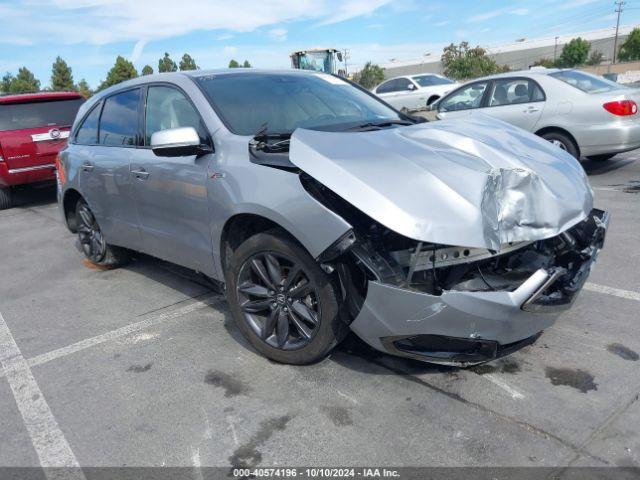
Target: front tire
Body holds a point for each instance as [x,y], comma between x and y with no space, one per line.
[563,142]
[6,198]
[91,241]
[282,301]
[601,158]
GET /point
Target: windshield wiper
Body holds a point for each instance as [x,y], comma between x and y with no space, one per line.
[379,125]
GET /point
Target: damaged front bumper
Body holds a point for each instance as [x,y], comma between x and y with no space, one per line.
[468,327]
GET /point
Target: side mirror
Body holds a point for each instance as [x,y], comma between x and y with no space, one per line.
[411,86]
[433,107]
[177,142]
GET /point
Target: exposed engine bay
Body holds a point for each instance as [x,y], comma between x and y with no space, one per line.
[387,257]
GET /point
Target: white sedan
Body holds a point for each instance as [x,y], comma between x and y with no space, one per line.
[414,92]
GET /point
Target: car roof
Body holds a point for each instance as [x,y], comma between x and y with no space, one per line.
[168,76]
[536,72]
[38,97]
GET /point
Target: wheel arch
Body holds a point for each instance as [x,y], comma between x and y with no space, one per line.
[432,98]
[561,130]
[69,201]
[242,226]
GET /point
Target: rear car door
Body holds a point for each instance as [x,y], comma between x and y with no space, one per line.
[32,134]
[170,192]
[385,90]
[407,95]
[103,157]
[464,101]
[519,101]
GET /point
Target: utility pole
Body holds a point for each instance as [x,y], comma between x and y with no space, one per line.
[618,10]
[555,50]
[345,55]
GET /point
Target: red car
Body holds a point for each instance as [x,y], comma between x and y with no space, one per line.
[34,127]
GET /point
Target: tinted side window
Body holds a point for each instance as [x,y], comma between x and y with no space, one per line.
[402,84]
[87,134]
[167,108]
[385,87]
[119,121]
[464,99]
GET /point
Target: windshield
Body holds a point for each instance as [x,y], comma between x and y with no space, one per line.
[586,82]
[16,116]
[430,80]
[318,61]
[247,102]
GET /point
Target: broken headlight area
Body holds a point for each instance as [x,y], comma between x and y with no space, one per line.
[373,252]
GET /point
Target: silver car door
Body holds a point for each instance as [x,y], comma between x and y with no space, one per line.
[463,102]
[170,192]
[518,101]
[104,169]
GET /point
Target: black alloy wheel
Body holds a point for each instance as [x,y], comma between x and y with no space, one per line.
[278,300]
[89,234]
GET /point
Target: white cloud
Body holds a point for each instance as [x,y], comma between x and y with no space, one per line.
[137,50]
[100,22]
[442,23]
[496,13]
[575,4]
[278,34]
[230,50]
[224,36]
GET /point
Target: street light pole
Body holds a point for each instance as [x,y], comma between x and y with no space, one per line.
[618,10]
[555,49]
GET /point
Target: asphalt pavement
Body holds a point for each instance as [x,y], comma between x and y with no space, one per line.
[143,366]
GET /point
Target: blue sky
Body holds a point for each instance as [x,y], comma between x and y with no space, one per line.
[89,34]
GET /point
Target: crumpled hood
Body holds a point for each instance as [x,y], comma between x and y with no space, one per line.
[477,182]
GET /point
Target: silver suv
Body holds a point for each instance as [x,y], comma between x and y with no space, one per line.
[322,209]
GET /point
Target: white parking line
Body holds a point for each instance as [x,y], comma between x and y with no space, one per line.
[516,395]
[616,292]
[48,440]
[120,332]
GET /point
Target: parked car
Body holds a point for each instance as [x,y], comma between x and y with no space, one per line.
[33,129]
[414,92]
[322,209]
[585,115]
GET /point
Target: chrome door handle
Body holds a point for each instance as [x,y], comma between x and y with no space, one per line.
[142,174]
[532,110]
[87,167]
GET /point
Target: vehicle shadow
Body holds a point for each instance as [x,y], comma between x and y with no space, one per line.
[34,196]
[351,353]
[599,168]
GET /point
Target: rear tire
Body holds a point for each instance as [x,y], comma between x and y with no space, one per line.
[6,198]
[288,317]
[563,142]
[601,158]
[91,242]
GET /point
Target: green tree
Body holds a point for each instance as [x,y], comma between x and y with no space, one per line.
[122,70]
[370,75]
[574,53]
[5,83]
[544,62]
[165,64]
[84,89]
[630,49]
[246,64]
[595,58]
[24,82]
[187,63]
[147,70]
[61,76]
[234,64]
[462,62]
